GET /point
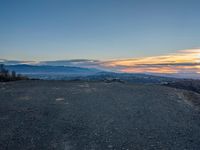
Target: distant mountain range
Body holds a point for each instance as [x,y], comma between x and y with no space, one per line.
[78,73]
[51,72]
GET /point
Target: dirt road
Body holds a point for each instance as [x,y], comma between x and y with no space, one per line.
[95,116]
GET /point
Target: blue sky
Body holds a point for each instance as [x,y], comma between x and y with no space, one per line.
[96,29]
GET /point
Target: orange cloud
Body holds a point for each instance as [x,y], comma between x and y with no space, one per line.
[183,61]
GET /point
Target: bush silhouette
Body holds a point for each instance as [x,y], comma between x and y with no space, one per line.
[6,76]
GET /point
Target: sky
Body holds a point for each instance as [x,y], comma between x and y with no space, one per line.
[111,31]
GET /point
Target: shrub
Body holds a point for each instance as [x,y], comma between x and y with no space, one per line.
[6,76]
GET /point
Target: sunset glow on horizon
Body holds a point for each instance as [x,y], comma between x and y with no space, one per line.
[184,61]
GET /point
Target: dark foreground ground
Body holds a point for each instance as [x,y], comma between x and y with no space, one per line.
[81,115]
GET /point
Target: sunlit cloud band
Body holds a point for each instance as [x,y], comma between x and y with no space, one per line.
[184,61]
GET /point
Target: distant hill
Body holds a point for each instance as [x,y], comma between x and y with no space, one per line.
[51,72]
[70,73]
[77,73]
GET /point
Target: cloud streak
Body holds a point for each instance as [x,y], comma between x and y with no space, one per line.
[184,61]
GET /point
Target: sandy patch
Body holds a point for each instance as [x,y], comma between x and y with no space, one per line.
[25,98]
[60,99]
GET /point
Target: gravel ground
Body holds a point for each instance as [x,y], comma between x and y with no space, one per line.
[77,115]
